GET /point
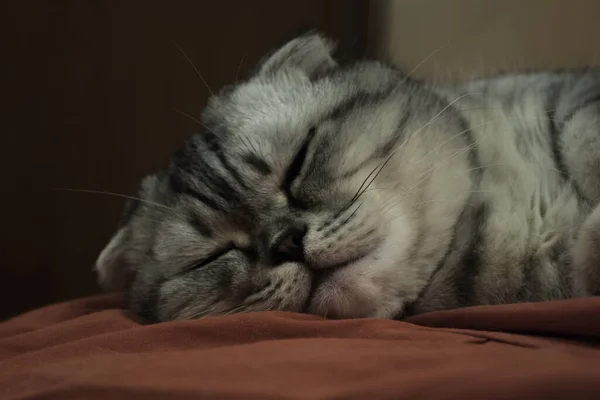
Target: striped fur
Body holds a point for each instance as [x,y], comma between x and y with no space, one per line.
[355,191]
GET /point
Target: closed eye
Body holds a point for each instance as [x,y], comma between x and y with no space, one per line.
[296,166]
[214,256]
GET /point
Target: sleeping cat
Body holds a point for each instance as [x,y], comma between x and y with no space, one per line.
[356,191]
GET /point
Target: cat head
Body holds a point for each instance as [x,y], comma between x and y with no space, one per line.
[287,199]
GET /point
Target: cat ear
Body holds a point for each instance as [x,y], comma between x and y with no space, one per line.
[310,53]
[114,264]
[111,269]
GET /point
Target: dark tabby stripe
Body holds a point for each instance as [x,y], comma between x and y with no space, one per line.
[190,163]
[131,207]
[257,163]
[358,100]
[145,304]
[383,151]
[204,199]
[178,186]
[467,265]
[201,227]
[212,142]
[232,170]
[470,264]
[555,128]
[392,143]
[589,100]
[214,183]
[340,111]
[473,157]
[225,279]
[219,186]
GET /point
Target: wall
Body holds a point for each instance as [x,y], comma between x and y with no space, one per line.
[483,36]
[89,103]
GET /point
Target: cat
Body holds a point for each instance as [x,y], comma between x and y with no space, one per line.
[353,191]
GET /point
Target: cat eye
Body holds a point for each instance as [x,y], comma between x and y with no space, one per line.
[212,257]
[295,168]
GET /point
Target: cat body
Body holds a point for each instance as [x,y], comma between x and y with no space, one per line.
[532,208]
[358,192]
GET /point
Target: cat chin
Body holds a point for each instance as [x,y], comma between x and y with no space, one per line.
[361,290]
[375,286]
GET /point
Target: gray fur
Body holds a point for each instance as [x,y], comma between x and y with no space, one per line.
[408,198]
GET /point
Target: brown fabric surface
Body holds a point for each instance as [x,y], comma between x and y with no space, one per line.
[90,349]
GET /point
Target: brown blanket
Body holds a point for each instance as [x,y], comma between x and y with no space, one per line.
[91,349]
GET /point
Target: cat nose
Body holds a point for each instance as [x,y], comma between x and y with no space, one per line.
[289,245]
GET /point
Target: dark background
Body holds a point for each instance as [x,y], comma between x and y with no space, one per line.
[90,90]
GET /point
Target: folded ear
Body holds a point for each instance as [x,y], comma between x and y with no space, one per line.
[111,267]
[310,53]
[115,264]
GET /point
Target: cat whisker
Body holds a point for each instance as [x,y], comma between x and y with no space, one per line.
[178,111]
[196,121]
[237,72]
[436,148]
[351,215]
[390,205]
[413,210]
[426,174]
[424,60]
[270,307]
[389,157]
[467,170]
[484,167]
[372,179]
[468,191]
[103,192]
[357,194]
[550,110]
[436,116]
[193,66]
[252,146]
[216,313]
[509,118]
[234,310]
[430,172]
[471,128]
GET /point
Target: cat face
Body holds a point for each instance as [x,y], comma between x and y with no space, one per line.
[287,199]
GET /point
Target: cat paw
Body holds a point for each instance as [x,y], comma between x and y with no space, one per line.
[586,257]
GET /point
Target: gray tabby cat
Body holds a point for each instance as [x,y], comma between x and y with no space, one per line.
[358,192]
